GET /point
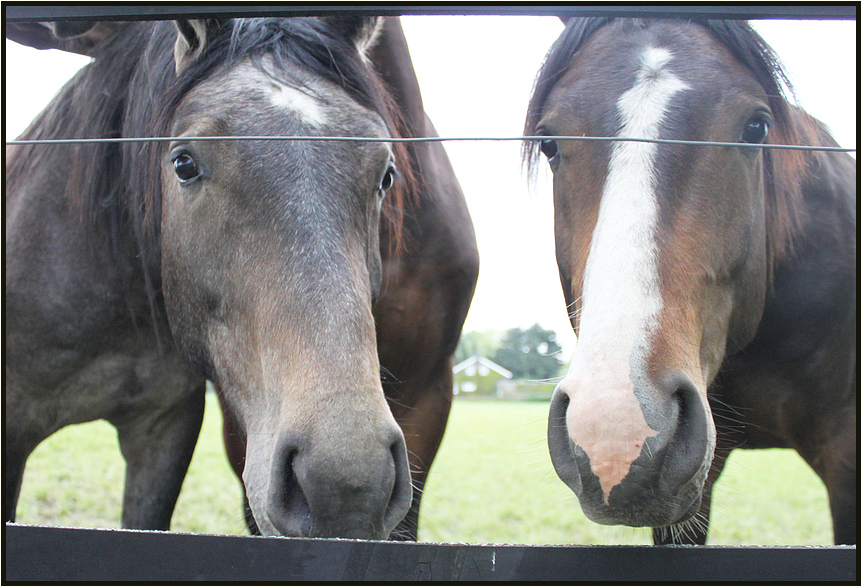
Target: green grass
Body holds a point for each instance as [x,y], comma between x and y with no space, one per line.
[492,482]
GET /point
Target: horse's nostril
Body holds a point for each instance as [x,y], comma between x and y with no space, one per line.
[402,488]
[294,504]
[562,404]
[559,442]
[557,412]
[689,446]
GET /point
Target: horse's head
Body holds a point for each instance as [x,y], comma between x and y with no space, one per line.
[664,251]
[270,262]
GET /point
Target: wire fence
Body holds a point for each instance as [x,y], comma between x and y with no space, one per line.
[430,140]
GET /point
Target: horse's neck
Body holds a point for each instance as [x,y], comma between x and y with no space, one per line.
[814,291]
[827,235]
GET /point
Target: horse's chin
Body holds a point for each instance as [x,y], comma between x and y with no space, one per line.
[268,528]
[664,511]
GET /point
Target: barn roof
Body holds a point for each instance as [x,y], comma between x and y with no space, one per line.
[480,360]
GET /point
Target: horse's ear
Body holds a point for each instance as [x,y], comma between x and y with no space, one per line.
[70,36]
[192,37]
[362,31]
[70,30]
[31,34]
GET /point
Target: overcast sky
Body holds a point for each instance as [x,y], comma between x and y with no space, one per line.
[476,74]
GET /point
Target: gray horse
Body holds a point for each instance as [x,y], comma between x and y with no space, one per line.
[291,274]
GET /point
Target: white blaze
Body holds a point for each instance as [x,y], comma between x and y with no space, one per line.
[621,298]
[308,108]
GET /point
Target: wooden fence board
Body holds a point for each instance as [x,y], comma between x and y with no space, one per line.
[35,553]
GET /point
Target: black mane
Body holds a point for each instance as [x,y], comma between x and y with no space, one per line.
[90,105]
[309,41]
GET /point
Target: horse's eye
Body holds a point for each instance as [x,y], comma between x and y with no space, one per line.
[388,179]
[549,148]
[185,167]
[755,131]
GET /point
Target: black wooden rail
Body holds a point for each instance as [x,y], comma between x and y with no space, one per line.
[35,553]
[21,11]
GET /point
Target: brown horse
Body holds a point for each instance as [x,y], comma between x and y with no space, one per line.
[275,269]
[712,288]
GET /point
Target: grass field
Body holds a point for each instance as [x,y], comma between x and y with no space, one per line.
[492,482]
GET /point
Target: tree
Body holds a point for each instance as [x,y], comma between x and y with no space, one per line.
[530,354]
[476,343]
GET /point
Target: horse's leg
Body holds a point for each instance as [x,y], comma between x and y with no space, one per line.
[843,490]
[15,453]
[841,477]
[14,460]
[422,415]
[158,449]
[695,530]
[835,464]
[26,424]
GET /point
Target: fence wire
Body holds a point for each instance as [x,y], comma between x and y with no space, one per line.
[430,140]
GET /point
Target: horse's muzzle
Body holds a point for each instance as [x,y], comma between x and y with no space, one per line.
[358,489]
[664,483]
